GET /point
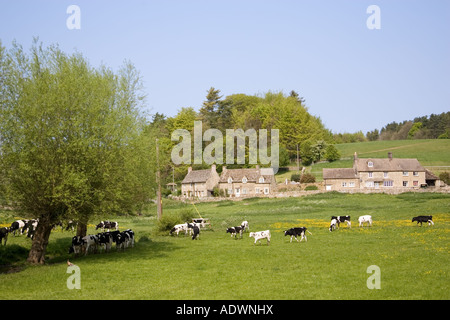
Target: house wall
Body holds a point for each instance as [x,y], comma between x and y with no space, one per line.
[246,189]
[341,184]
[391,179]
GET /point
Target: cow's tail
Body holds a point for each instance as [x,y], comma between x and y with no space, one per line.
[309,232]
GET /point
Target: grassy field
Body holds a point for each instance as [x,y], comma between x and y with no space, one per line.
[414,261]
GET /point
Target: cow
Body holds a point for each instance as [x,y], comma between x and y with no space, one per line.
[18,225]
[341,219]
[180,227]
[366,218]
[71,225]
[235,230]
[90,241]
[261,235]
[107,225]
[128,238]
[332,224]
[31,227]
[421,219]
[245,226]
[4,234]
[294,232]
[196,231]
[77,244]
[105,239]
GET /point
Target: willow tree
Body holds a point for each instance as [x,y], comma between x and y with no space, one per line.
[70,138]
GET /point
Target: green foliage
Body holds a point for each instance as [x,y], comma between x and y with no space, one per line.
[310,188]
[295,177]
[332,153]
[307,178]
[445,176]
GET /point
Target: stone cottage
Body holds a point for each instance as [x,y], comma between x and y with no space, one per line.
[375,173]
[247,182]
[199,183]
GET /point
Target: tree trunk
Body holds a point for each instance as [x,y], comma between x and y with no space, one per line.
[40,242]
[81,229]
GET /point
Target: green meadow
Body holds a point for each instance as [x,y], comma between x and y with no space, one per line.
[414,261]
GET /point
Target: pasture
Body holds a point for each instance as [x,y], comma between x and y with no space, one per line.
[414,261]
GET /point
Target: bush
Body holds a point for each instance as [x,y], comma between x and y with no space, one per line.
[309,188]
[308,178]
[295,177]
[445,176]
[168,221]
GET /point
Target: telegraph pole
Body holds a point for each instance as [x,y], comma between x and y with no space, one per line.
[158,181]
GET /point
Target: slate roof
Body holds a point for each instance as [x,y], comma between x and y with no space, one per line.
[388,165]
[197,176]
[251,174]
[339,173]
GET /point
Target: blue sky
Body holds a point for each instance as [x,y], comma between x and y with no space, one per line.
[352,77]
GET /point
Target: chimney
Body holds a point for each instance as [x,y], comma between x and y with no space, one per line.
[189,169]
[355,156]
[390,155]
[213,168]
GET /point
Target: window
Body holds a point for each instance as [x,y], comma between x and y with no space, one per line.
[351,184]
[230,180]
[415,174]
[415,183]
[244,191]
[385,174]
[369,184]
[405,183]
[370,164]
[388,183]
[261,180]
[256,190]
[370,174]
[344,184]
[244,180]
[266,190]
[230,190]
[405,173]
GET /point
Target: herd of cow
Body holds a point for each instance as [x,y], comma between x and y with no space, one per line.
[292,232]
[125,238]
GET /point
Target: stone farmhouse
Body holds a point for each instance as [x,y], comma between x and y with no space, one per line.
[234,182]
[379,174]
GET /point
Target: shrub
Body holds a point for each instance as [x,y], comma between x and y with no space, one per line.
[295,177]
[308,188]
[308,178]
[445,176]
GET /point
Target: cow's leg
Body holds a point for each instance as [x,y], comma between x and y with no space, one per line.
[430,222]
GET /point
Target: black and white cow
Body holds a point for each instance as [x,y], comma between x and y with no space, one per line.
[107,225]
[298,231]
[196,231]
[18,225]
[105,239]
[341,219]
[30,227]
[90,241]
[128,238]
[333,224]
[235,230]
[4,234]
[180,227]
[77,244]
[422,219]
[261,235]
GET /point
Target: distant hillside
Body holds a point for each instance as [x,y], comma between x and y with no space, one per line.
[434,126]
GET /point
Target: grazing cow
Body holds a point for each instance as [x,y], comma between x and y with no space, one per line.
[107,225]
[130,234]
[105,239]
[31,227]
[341,219]
[421,219]
[196,233]
[332,224]
[180,227]
[4,234]
[294,232]
[90,241]
[71,225]
[245,226]
[77,244]
[17,225]
[261,235]
[235,230]
[366,218]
